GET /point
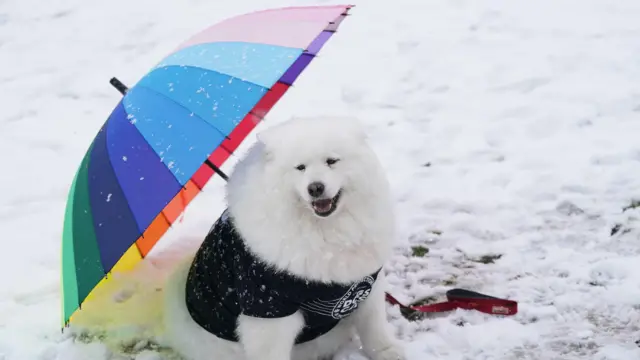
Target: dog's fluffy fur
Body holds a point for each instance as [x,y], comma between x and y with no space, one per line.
[268,198]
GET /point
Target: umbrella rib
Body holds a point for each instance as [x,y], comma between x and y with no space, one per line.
[261,117]
[217,169]
[165,216]
[116,85]
[122,88]
[186,108]
[207,162]
[138,247]
[266,89]
[124,195]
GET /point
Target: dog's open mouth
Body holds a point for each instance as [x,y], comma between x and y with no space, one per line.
[324,207]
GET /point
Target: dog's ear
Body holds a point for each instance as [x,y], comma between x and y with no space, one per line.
[354,128]
[268,139]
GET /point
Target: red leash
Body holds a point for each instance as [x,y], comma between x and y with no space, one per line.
[467,300]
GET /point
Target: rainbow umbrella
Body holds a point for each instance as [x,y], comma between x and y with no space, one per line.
[172,131]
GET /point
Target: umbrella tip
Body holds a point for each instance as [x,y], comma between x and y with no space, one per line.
[122,88]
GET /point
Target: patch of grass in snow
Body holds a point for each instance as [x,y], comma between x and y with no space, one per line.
[413,315]
[616,229]
[137,346]
[487,259]
[129,348]
[89,337]
[425,301]
[451,281]
[419,251]
[634,204]
[619,228]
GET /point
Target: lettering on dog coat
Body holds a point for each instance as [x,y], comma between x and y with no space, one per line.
[226,280]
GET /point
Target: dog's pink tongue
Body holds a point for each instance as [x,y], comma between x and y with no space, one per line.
[322,205]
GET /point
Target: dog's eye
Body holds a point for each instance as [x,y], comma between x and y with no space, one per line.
[301,167]
[331,161]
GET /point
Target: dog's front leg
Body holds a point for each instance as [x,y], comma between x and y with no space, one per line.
[372,326]
[269,339]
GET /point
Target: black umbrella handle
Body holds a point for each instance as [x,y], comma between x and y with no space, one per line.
[122,88]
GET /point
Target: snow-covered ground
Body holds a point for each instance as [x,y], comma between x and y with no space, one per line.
[507,127]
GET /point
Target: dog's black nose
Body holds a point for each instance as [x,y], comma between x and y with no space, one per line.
[315,189]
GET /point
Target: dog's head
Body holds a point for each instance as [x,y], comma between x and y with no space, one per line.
[317,159]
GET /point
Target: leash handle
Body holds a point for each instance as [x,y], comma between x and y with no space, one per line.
[464,299]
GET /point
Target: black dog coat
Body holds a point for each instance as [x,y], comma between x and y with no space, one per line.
[226,280]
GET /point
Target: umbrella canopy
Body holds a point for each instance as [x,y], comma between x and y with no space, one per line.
[179,123]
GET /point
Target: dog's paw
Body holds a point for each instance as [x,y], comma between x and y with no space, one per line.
[394,352]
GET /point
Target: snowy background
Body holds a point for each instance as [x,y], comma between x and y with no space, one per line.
[509,130]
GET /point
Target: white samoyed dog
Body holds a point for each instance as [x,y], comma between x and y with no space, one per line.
[292,269]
